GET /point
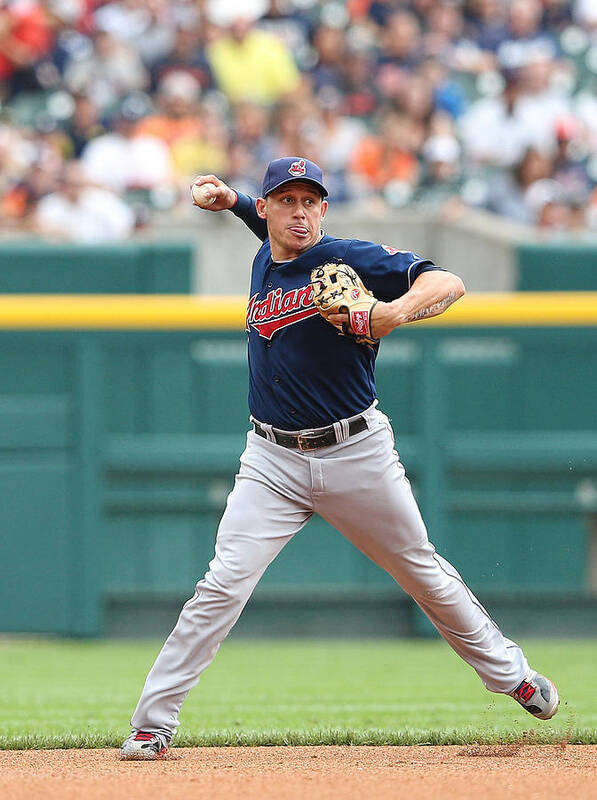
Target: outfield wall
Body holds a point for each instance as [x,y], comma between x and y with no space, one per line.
[211,254]
[121,423]
[490,253]
[136,267]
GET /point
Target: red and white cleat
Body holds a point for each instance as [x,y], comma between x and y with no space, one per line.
[537,695]
[144,746]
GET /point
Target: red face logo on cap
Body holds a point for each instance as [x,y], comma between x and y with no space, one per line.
[298,168]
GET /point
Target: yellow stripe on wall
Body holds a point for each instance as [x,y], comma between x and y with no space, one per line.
[518,309]
[184,312]
[149,312]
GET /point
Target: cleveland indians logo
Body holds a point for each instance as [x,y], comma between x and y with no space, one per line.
[392,250]
[298,168]
[279,309]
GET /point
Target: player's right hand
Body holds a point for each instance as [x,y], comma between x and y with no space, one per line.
[225,198]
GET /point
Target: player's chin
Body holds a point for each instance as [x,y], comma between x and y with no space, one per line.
[302,241]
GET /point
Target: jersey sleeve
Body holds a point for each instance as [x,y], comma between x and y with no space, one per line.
[244,209]
[387,272]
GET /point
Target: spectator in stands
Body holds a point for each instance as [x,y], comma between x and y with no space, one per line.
[401,54]
[338,137]
[448,95]
[401,41]
[486,28]
[293,26]
[81,212]
[19,199]
[243,171]
[83,125]
[557,14]
[330,45]
[148,27]
[25,36]
[522,194]
[108,72]
[585,13]
[542,103]
[441,177]
[498,130]
[379,10]
[30,162]
[570,162]
[389,156]
[124,159]
[359,85]
[177,121]
[29,168]
[366,87]
[202,155]
[525,41]
[193,131]
[248,63]
[548,205]
[186,55]
[296,130]
[339,134]
[252,123]
[444,30]
[415,101]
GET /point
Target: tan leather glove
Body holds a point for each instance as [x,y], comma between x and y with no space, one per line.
[337,289]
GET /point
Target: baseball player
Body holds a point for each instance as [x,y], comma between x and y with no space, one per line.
[318,444]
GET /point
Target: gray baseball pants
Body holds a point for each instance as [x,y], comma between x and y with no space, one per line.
[360,488]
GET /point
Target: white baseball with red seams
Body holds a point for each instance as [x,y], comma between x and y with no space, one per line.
[202,194]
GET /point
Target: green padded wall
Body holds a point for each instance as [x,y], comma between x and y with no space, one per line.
[553,266]
[117,450]
[131,268]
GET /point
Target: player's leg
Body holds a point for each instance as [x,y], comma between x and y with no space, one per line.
[369,500]
[268,505]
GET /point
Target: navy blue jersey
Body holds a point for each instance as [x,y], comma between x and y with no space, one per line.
[302,372]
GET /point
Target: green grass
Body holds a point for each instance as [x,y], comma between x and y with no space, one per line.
[81,694]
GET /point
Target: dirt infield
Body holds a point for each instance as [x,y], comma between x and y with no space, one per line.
[308,773]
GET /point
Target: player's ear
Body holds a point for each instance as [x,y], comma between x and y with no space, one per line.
[260,207]
[324,208]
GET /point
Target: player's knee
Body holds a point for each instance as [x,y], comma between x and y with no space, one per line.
[437,593]
[427,586]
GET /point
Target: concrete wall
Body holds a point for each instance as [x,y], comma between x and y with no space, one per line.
[477,246]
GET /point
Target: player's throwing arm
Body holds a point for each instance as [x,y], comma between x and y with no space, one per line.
[212,194]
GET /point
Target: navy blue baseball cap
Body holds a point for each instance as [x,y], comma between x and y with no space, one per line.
[284,170]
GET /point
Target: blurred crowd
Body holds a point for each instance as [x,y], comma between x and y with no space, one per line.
[109,109]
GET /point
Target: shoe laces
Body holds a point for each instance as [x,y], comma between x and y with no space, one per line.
[525,691]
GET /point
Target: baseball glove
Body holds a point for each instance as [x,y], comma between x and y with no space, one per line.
[337,289]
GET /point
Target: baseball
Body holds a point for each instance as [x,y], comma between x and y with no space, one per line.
[201,194]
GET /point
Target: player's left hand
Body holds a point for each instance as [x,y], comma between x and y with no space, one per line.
[382,320]
[343,300]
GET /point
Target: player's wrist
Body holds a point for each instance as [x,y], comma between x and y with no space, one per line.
[384,318]
[400,311]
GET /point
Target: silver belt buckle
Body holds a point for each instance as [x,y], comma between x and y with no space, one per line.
[306,440]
